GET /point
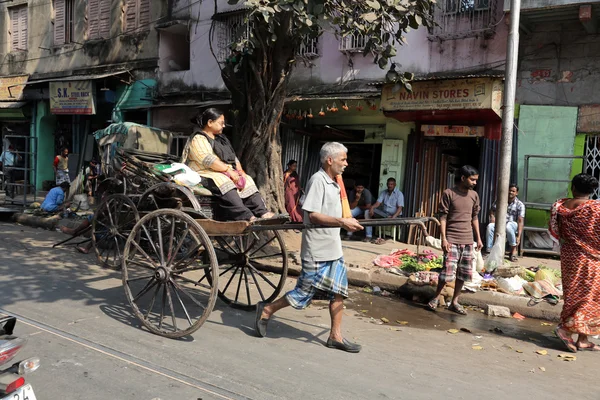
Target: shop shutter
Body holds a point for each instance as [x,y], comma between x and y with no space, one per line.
[131,15]
[59,22]
[104,20]
[14,32]
[93,12]
[144,19]
[23,28]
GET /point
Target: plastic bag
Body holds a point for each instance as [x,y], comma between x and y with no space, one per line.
[512,285]
[495,258]
[478,261]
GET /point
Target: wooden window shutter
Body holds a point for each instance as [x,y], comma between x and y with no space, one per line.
[104,20]
[59,22]
[14,29]
[144,15]
[23,28]
[93,14]
[131,9]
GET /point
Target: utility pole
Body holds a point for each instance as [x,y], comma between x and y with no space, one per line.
[508,120]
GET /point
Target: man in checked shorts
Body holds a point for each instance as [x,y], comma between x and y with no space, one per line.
[459,209]
[323,269]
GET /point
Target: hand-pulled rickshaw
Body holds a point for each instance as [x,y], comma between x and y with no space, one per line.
[174,257]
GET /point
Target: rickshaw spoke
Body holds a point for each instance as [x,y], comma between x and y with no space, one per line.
[171,238]
[231,279]
[145,290]
[162,311]
[262,276]
[150,240]
[160,242]
[182,305]
[262,246]
[267,256]
[262,296]
[174,254]
[237,293]
[140,278]
[170,300]
[152,302]
[184,291]
[191,281]
[247,286]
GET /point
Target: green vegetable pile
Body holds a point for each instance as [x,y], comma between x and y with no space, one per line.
[412,264]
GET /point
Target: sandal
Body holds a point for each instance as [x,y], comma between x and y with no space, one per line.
[457,309]
[567,341]
[593,347]
[513,258]
[366,240]
[433,305]
[378,241]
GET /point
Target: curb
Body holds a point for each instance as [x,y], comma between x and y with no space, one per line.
[362,277]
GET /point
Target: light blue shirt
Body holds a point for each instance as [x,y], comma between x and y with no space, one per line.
[7,158]
[55,197]
[391,202]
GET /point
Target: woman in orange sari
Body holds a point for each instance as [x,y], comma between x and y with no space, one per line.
[292,189]
[575,223]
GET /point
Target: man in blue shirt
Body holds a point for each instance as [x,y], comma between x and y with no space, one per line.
[389,205]
[55,198]
[8,159]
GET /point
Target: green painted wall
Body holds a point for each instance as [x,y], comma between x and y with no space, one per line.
[545,130]
[44,132]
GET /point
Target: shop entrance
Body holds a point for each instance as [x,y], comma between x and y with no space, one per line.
[363,166]
[432,167]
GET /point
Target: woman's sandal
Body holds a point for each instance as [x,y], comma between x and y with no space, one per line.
[457,309]
[432,305]
[592,347]
[568,342]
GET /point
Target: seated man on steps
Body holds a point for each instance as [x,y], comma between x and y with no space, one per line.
[360,200]
[389,205]
[515,220]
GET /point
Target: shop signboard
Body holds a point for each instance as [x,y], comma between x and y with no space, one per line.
[453,130]
[11,87]
[588,120]
[72,98]
[452,94]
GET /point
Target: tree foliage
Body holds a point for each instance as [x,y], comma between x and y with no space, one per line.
[258,68]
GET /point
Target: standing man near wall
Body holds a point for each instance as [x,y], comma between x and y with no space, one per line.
[323,269]
[61,167]
[459,221]
[9,159]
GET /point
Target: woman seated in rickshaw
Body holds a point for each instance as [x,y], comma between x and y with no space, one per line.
[211,155]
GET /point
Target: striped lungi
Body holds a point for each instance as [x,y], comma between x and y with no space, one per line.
[322,279]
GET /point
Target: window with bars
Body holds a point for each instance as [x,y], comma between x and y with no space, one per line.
[136,15]
[463,18]
[63,21]
[98,19]
[353,43]
[309,47]
[592,159]
[18,28]
[230,29]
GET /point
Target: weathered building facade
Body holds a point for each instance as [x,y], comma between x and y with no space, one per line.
[67,67]
[336,93]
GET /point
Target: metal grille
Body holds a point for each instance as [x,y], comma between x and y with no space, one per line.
[309,47]
[353,43]
[463,18]
[230,30]
[592,159]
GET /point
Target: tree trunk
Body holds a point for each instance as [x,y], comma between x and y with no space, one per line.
[259,87]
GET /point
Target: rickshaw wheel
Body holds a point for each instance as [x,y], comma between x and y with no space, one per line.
[252,268]
[112,222]
[162,275]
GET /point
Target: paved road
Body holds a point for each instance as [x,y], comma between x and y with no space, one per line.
[78,321]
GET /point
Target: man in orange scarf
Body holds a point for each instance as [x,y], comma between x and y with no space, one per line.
[323,269]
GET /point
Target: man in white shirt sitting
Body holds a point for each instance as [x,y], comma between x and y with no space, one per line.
[389,205]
